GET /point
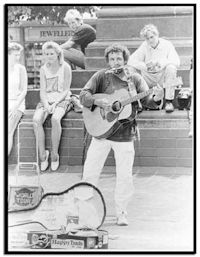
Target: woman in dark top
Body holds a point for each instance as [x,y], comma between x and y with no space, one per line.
[74,48]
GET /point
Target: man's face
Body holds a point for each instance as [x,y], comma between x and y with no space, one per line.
[116,59]
[74,24]
[152,39]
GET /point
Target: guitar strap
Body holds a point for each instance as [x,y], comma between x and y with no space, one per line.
[132,92]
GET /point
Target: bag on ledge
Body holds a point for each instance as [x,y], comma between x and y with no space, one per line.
[76,105]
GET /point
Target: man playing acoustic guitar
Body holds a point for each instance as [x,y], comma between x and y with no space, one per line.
[111,82]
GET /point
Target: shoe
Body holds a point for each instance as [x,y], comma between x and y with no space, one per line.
[169,107]
[45,163]
[122,219]
[55,164]
[190,134]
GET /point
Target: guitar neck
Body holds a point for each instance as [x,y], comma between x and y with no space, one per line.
[136,97]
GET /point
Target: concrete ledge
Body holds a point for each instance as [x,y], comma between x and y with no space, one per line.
[97,62]
[145,119]
[183,46]
[163,115]
[155,115]
[80,78]
[127,28]
[143,11]
[164,140]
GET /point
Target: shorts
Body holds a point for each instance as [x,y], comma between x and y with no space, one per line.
[65,104]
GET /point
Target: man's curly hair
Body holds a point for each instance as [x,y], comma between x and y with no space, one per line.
[115,48]
[149,28]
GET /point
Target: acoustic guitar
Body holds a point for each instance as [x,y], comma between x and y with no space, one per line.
[101,123]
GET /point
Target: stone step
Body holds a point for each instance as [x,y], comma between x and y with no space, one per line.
[145,119]
[148,152]
[33,97]
[130,28]
[160,123]
[75,145]
[80,77]
[143,11]
[183,46]
[179,160]
[142,162]
[156,162]
[127,22]
[100,62]
[161,152]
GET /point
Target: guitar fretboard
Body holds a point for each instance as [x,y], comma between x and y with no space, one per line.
[136,97]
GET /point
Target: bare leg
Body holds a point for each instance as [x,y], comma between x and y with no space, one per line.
[56,131]
[12,124]
[39,117]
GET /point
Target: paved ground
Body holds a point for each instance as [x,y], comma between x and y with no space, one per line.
[160,213]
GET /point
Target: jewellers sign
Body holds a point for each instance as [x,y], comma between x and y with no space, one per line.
[55,33]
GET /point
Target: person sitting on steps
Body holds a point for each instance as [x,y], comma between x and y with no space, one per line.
[17,89]
[74,48]
[55,82]
[157,61]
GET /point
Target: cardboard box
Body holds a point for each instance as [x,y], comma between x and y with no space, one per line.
[83,239]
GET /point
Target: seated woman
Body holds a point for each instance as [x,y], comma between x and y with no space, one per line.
[55,81]
[74,48]
[17,89]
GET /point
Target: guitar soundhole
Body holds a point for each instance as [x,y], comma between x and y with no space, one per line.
[116,107]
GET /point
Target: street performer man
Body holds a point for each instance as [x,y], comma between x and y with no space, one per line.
[109,81]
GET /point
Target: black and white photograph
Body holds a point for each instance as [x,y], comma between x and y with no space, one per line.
[100,128]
